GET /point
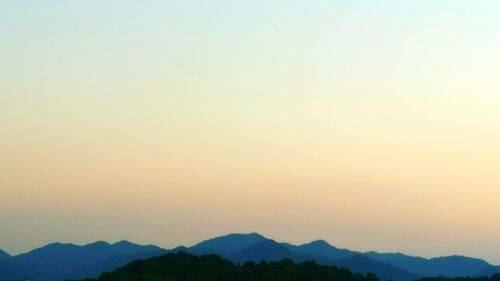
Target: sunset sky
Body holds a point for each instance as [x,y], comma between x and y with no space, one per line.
[374,125]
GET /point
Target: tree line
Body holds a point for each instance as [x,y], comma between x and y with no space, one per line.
[185,267]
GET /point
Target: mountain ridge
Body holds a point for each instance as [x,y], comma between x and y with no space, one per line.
[58,261]
[322,248]
[4,255]
[447,266]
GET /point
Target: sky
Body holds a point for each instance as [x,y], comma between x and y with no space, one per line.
[371,124]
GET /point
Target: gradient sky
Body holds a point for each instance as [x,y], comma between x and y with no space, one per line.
[372,124]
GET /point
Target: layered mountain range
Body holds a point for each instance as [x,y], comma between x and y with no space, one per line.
[58,261]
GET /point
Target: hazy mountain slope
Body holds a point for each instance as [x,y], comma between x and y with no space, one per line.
[489,271]
[12,271]
[60,261]
[226,245]
[321,248]
[267,250]
[452,266]
[319,251]
[4,255]
[362,264]
[111,264]
[393,266]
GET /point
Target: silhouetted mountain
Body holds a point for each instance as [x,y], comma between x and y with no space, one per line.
[4,255]
[183,266]
[12,271]
[179,249]
[267,250]
[59,261]
[362,264]
[321,248]
[226,245]
[489,271]
[110,264]
[452,266]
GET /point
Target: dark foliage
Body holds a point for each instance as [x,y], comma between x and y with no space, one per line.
[186,267]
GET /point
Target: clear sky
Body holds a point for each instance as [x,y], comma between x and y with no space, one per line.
[374,125]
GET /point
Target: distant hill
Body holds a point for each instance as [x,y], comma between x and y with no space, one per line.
[183,266]
[452,266]
[62,259]
[111,264]
[264,249]
[58,261]
[267,250]
[489,271]
[12,271]
[363,264]
[227,245]
[4,255]
[321,248]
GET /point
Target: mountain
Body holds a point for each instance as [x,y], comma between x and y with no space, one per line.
[4,255]
[12,271]
[183,266]
[363,264]
[255,247]
[455,266]
[321,248]
[110,264]
[489,271]
[268,250]
[58,261]
[227,245]
[319,251]
[452,266]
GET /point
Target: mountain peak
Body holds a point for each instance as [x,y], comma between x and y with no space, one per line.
[252,235]
[448,266]
[319,242]
[268,250]
[97,244]
[80,261]
[4,255]
[362,264]
[227,244]
[127,246]
[58,245]
[324,249]
[124,243]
